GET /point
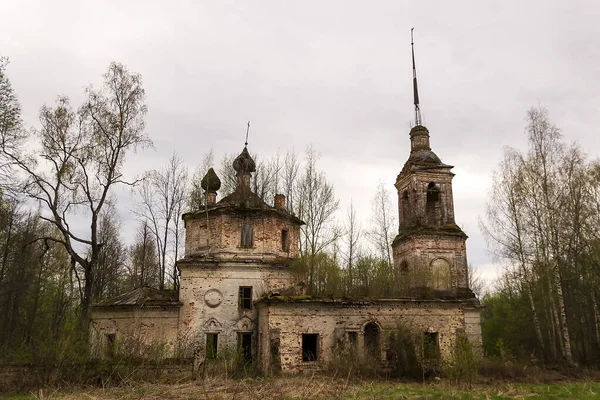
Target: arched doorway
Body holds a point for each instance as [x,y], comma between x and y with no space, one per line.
[372,333]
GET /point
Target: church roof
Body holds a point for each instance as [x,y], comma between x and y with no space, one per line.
[244,197]
[421,155]
[143,297]
[242,202]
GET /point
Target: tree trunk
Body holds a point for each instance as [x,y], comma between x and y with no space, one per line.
[86,302]
[536,321]
[563,317]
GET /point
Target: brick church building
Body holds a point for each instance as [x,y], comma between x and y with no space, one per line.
[237,289]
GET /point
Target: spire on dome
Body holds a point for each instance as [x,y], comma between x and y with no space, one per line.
[415,88]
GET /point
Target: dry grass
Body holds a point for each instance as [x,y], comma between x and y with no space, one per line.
[322,387]
[217,389]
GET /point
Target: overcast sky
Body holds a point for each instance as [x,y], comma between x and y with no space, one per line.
[334,74]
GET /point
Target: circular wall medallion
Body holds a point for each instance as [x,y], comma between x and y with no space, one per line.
[213,298]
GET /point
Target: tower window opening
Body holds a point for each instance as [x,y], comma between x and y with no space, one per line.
[404,207]
[433,197]
[285,240]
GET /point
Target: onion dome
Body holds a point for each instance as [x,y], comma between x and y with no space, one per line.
[244,164]
[210,182]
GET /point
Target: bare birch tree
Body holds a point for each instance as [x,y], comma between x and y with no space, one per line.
[143,266]
[541,217]
[383,223]
[316,207]
[76,159]
[11,130]
[112,258]
[162,197]
[352,235]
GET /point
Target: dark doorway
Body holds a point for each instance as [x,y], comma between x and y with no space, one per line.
[431,346]
[111,345]
[310,346]
[372,341]
[245,346]
[211,345]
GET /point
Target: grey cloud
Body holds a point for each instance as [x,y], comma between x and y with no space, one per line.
[334,74]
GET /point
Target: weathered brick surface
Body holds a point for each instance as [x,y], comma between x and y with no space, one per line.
[133,326]
[210,297]
[420,251]
[216,265]
[289,320]
[222,238]
[427,229]
[413,211]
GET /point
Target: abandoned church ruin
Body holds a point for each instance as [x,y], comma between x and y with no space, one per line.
[237,289]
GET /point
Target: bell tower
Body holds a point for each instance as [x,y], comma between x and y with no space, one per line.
[430,258]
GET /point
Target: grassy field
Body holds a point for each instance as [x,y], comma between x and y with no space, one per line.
[324,388]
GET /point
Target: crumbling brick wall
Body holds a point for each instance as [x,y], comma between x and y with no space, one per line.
[211,299]
[282,324]
[135,329]
[220,234]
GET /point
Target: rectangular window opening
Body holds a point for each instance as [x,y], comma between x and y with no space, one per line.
[211,345]
[245,300]
[431,345]
[353,342]
[275,357]
[111,344]
[285,240]
[310,346]
[247,235]
[353,339]
[245,346]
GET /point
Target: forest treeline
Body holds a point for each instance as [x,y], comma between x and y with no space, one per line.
[543,221]
[62,249]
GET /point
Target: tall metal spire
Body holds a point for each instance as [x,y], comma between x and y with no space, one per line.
[247,131]
[415,88]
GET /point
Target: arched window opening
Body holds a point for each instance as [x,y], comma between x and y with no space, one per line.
[432,205]
[247,235]
[285,240]
[404,205]
[372,341]
[404,267]
[441,278]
